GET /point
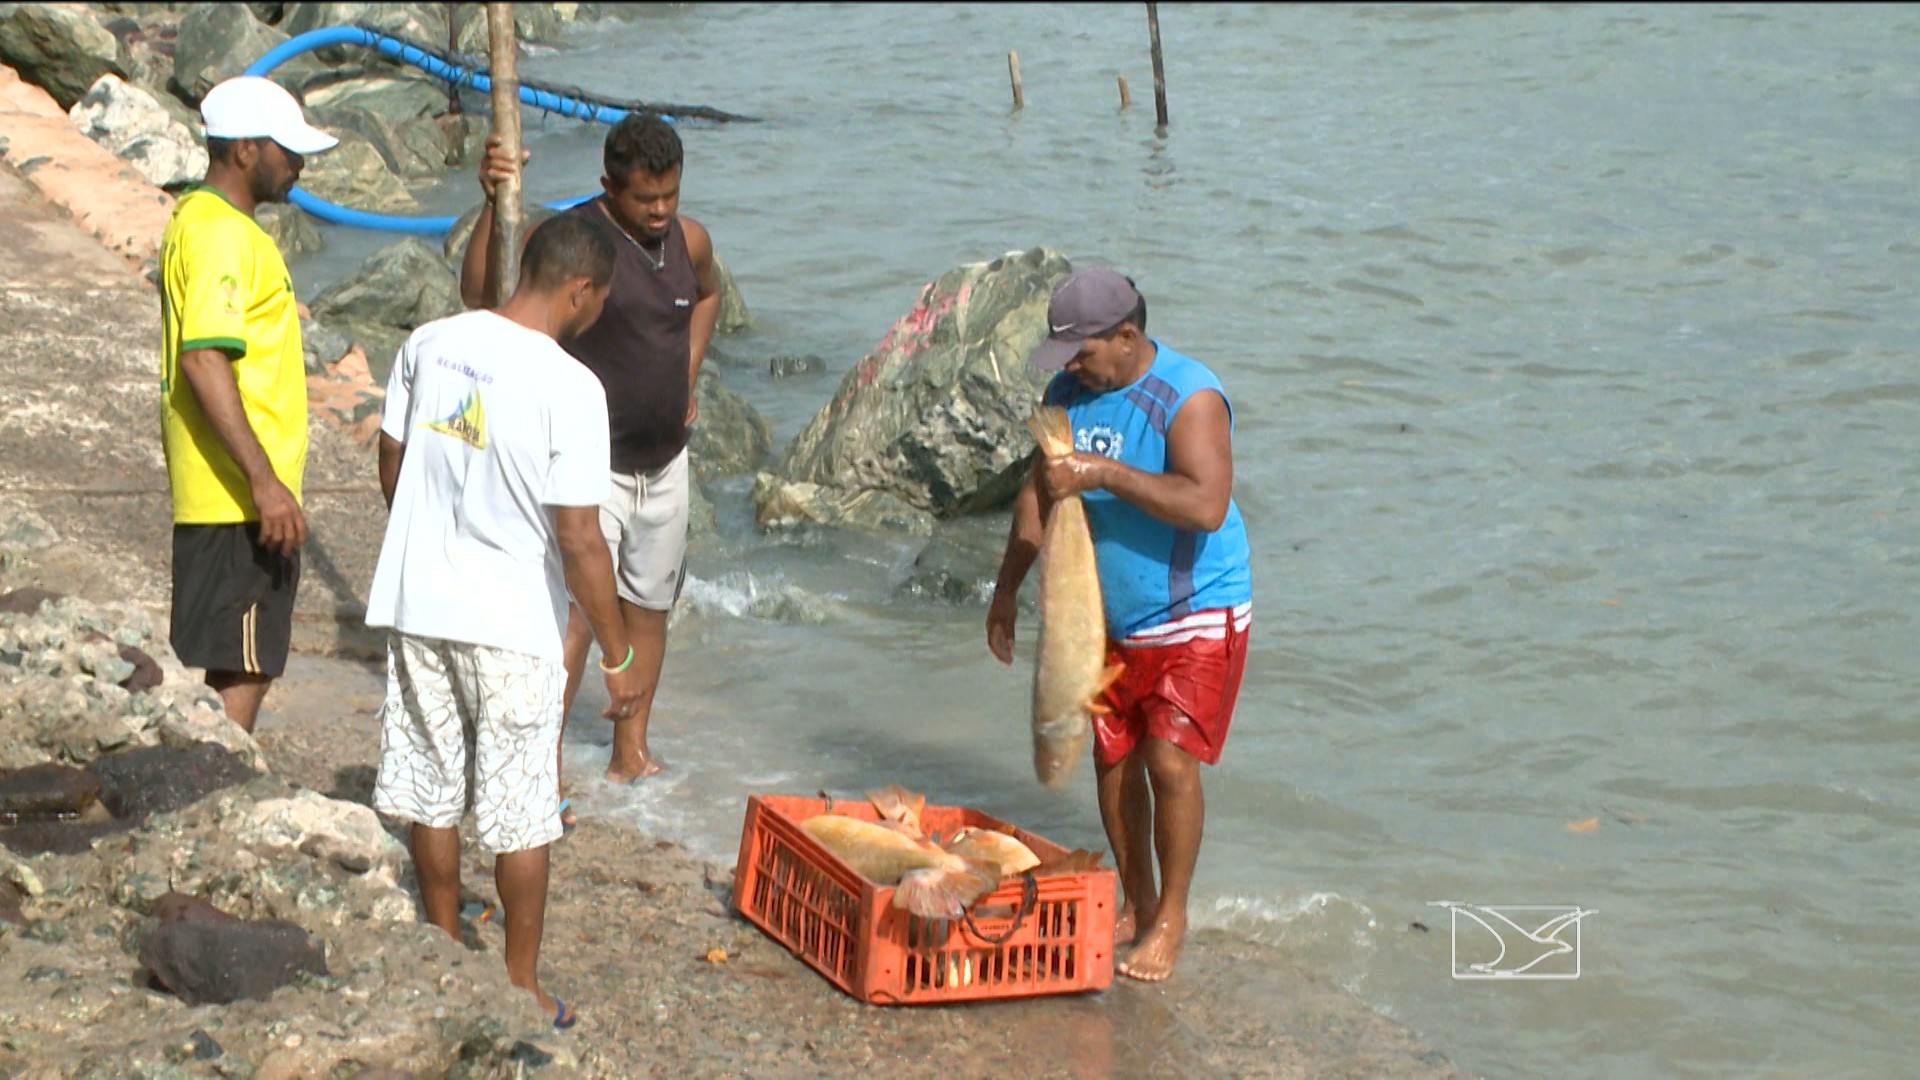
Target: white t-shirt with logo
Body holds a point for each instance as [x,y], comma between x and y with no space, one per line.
[500,424]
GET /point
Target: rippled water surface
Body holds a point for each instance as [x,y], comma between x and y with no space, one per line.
[1573,356]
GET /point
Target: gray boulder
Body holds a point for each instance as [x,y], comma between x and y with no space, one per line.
[133,124]
[730,437]
[934,418]
[215,42]
[541,23]
[147,42]
[781,504]
[402,286]
[355,174]
[292,230]
[322,345]
[415,148]
[59,48]
[423,23]
[395,99]
[454,245]
[960,562]
[734,316]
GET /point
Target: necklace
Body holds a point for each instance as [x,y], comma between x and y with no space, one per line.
[658,262]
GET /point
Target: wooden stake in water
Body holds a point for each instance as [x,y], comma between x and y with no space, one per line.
[1013,72]
[1126,95]
[503,52]
[1159,68]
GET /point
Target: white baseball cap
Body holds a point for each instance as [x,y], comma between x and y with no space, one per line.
[251,107]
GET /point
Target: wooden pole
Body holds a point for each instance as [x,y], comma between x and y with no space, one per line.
[453,49]
[1126,95]
[1159,68]
[503,52]
[1013,72]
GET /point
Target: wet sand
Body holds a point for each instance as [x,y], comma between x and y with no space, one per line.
[631,921]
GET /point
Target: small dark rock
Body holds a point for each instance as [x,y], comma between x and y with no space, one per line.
[27,601]
[41,792]
[10,907]
[786,367]
[205,956]
[146,671]
[57,837]
[43,973]
[204,1048]
[525,1053]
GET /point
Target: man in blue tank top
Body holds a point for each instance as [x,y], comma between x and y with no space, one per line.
[1154,467]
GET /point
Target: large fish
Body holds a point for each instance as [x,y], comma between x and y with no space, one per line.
[1006,852]
[928,882]
[1069,672]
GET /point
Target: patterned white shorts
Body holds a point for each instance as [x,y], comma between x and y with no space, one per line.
[456,711]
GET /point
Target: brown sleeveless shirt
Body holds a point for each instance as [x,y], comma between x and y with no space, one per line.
[641,346]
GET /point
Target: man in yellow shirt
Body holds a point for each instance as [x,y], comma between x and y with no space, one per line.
[233,397]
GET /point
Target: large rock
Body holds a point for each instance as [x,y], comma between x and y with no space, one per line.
[42,791]
[404,285]
[734,316]
[933,418]
[355,175]
[394,99]
[205,956]
[416,147]
[292,230]
[147,41]
[345,834]
[133,124]
[543,23]
[215,42]
[59,48]
[787,504]
[730,437]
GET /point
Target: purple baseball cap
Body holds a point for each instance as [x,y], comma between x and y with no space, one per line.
[1087,304]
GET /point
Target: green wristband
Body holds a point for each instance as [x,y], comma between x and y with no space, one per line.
[624,664]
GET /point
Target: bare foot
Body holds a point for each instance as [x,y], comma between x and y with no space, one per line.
[1153,958]
[1126,928]
[623,774]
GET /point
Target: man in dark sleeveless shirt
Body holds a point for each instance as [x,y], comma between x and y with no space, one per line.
[646,348]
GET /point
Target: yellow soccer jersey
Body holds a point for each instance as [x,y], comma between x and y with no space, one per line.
[224,286]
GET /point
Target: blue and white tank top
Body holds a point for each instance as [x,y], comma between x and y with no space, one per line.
[1152,573]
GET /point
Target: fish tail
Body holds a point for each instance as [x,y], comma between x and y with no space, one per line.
[946,891]
[1052,430]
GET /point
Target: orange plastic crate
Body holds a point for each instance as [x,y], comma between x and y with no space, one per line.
[847,928]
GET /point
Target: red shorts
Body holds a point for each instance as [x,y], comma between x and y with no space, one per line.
[1181,693]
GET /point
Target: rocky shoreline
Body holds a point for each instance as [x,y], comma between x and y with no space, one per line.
[131,808]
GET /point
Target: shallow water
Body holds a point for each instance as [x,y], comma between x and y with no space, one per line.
[1572,357]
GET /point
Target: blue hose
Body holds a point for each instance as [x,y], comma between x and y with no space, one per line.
[335,214]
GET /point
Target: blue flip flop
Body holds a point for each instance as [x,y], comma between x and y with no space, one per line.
[565,804]
[564,1017]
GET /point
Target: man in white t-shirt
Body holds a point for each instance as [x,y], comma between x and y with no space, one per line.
[493,461]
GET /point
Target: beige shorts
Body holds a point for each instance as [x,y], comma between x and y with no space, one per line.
[456,711]
[644,521]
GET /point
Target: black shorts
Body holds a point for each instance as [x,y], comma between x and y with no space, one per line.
[232,599]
